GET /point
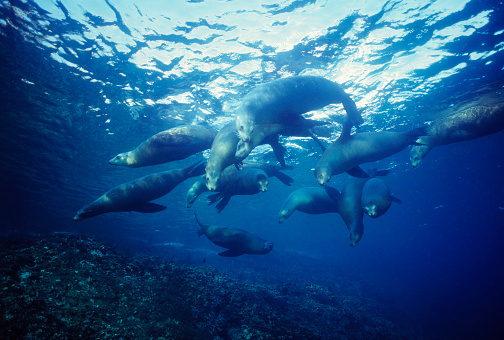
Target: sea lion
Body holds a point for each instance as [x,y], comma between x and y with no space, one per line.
[248,181]
[237,241]
[349,204]
[282,100]
[200,187]
[309,200]
[137,194]
[473,122]
[222,153]
[301,128]
[170,145]
[376,198]
[348,151]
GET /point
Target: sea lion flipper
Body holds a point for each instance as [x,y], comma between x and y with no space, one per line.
[333,193]
[357,172]
[148,207]
[395,199]
[231,253]
[287,180]
[223,203]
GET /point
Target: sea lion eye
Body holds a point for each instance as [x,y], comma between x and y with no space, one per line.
[241,127]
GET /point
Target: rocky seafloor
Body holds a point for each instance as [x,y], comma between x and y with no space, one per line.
[68,286]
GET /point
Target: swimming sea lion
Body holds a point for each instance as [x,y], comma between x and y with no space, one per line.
[222,153]
[298,126]
[247,181]
[347,152]
[237,241]
[474,122]
[376,198]
[282,100]
[349,204]
[200,187]
[309,200]
[167,146]
[137,194]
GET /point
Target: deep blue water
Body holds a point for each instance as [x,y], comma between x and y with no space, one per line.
[83,81]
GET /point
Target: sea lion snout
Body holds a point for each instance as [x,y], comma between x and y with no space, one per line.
[268,246]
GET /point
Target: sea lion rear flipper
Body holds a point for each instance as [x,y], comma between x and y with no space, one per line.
[357,172]
[315,138]
[148,207]
[223,203]
[231,253]
[333,193]
[395,199]
[287,180]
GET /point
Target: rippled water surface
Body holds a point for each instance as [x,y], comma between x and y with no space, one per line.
[82,81]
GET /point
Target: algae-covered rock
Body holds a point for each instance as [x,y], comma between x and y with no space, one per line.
[71,286]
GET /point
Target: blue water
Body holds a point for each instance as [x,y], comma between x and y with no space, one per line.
[82,81]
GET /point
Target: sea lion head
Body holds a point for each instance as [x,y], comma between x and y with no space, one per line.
[354,238]
[245,128]
[84,213]
[417,153]
[323,175]
[122,159]
[242,150]
[371,210]
[268,246]
[212,179]
[262,181]
[284,215]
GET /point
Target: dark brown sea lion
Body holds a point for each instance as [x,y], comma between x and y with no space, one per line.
[237,241]
[170,145]
[282,101]
[137,194]
[473,122]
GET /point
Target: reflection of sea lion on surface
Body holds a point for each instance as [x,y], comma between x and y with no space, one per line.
[470,123]
[310,200]
[170,145]
[282,101]
[137,194]
[237,241]
[349,151]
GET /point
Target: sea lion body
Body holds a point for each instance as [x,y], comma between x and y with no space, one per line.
[298,126]
[137,194]
[200,187]
[467,124]
[282,100]
[248,181]
[222,154]
[376,198]
[237,241]
[310,200]
[167,146]
[350,210]
[348,152]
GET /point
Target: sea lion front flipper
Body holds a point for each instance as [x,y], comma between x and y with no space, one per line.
[357,172]
[395,199]
[315,138]
[285,179]
[231,253]
[333,193]
[223,203]
[148,207]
